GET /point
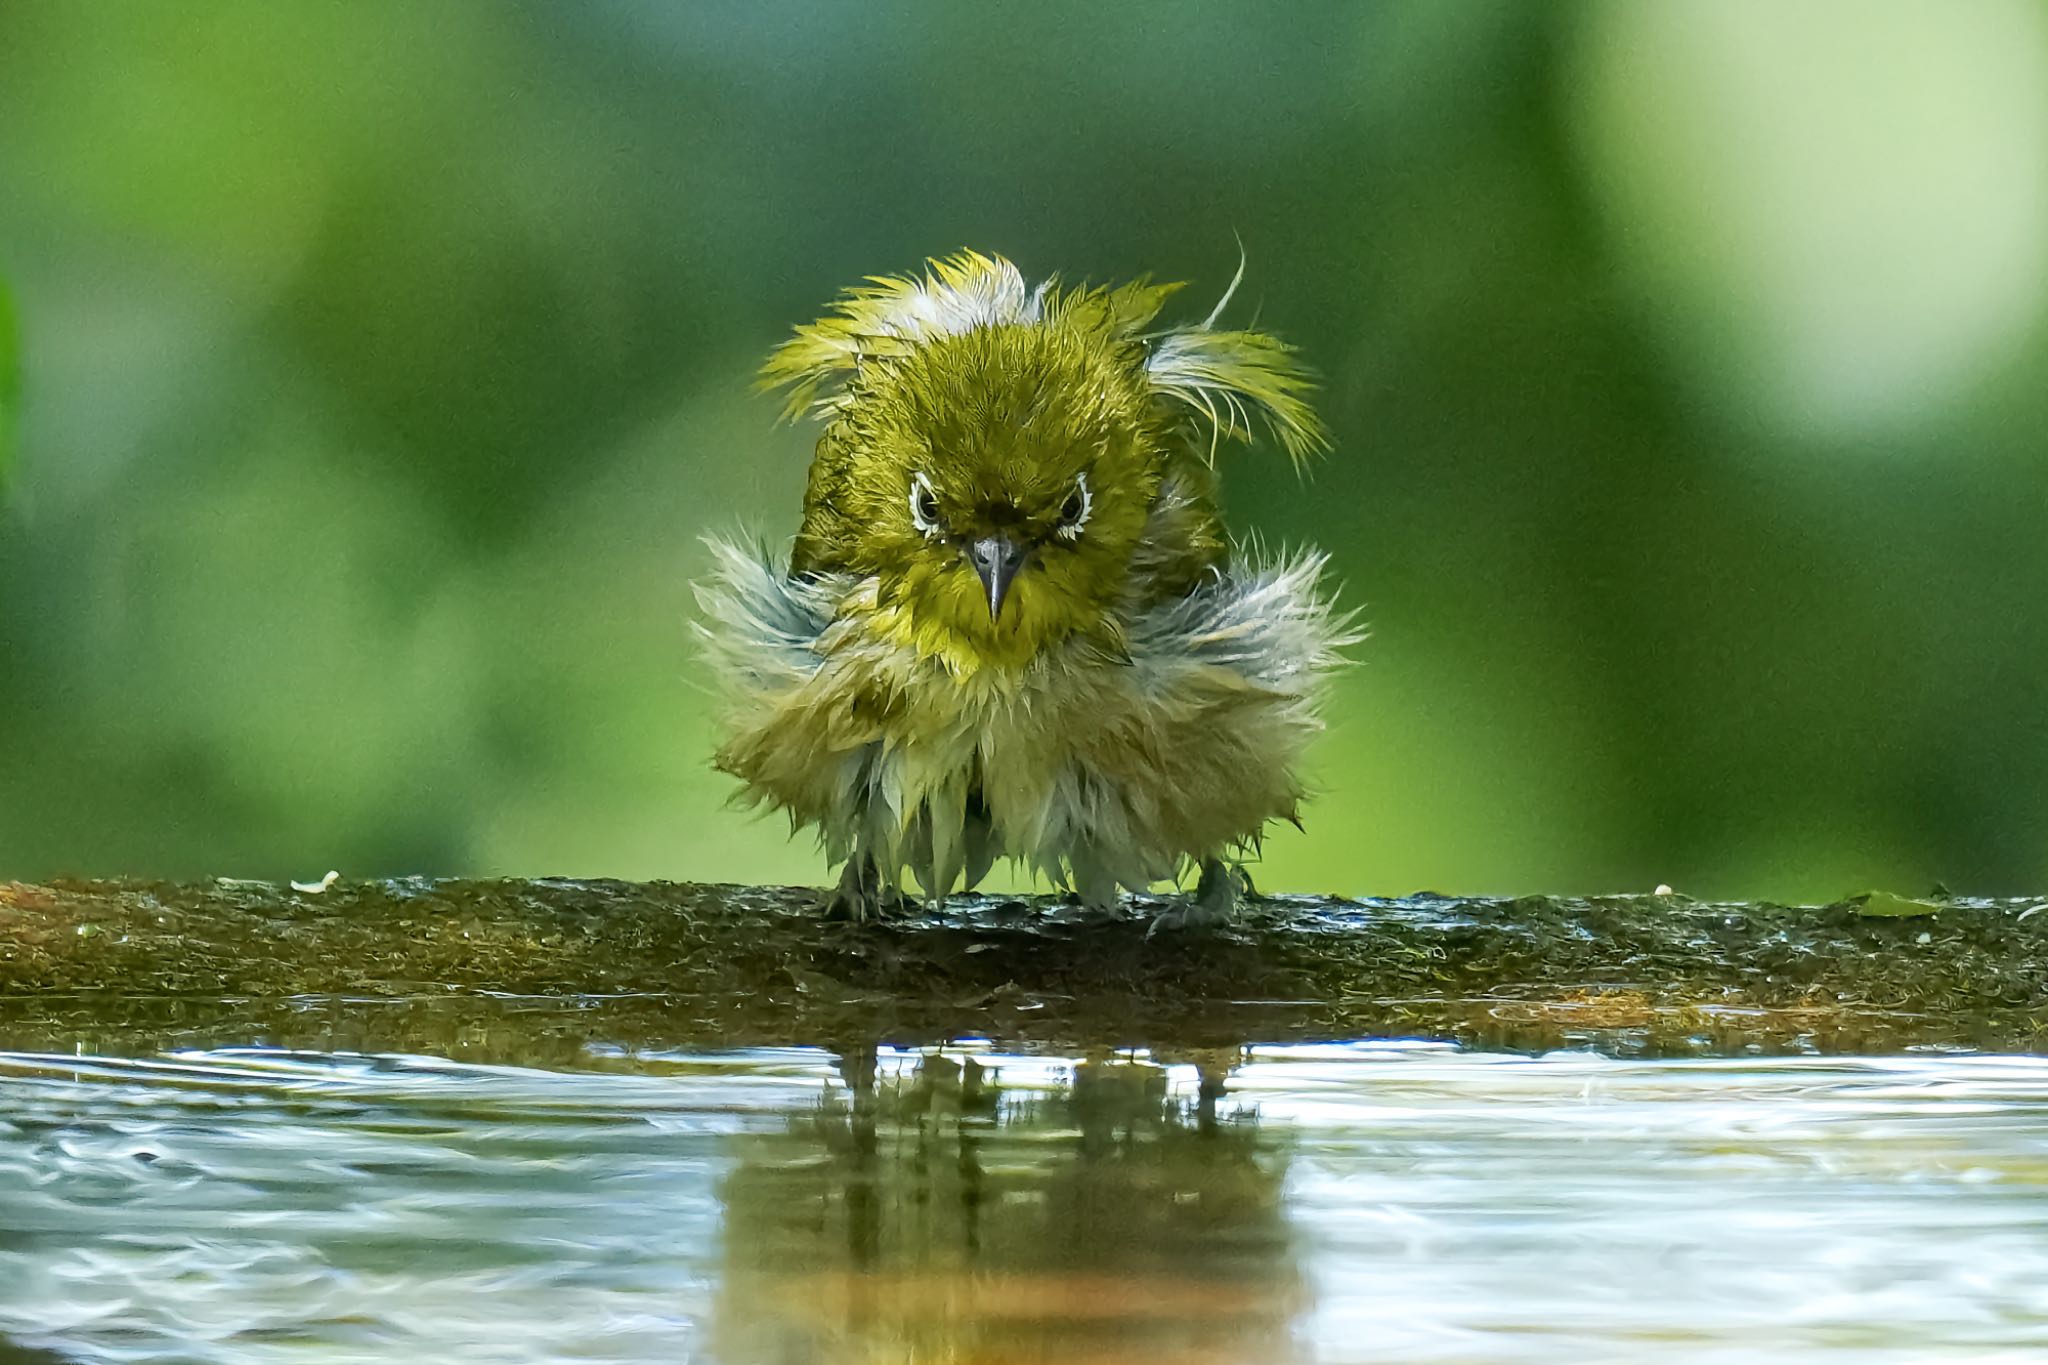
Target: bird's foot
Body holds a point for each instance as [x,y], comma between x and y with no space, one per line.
[861,897]
[1214,903]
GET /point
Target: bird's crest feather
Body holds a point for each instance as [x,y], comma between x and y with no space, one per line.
[1220,377]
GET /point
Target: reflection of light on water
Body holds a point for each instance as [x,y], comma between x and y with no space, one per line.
[1457,1207]
[1380,1200]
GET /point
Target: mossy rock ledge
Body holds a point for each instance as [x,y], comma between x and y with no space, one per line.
[549,970]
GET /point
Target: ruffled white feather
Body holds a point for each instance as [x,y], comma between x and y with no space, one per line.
[1098,773]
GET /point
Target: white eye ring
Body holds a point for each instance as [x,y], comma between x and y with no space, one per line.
[1070,528]
[920,494]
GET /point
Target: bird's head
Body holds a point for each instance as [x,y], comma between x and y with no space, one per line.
[1003,477]
[1000,450]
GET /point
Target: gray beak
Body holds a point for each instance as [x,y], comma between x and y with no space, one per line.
[996,560]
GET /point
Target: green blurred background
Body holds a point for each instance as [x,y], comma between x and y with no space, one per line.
[381,365]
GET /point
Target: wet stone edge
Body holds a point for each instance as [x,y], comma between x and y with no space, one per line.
[509,968]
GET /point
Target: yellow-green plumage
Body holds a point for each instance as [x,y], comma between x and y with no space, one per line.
[1011,625]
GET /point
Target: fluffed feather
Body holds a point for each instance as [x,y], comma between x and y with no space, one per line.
[1221,377]
[1094,774]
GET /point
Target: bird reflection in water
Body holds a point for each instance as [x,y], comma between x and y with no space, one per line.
[1128,1212]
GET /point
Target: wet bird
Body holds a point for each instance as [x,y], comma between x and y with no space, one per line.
[1012,624]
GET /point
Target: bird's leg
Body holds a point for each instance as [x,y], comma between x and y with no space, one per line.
[1215,899]
[860,895]
[1094,887]
[1217,892]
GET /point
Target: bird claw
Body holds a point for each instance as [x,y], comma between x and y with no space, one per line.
[860,896]
[1213,905]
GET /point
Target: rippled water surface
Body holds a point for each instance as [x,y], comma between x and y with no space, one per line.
[1367,1201]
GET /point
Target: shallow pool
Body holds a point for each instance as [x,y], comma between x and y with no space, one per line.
[1371,1200]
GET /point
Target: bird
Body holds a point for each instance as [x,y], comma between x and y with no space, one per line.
[1012,624]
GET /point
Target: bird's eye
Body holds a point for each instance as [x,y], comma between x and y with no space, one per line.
[924,507]
[1074,511]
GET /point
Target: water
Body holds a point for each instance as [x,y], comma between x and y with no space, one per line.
[1377,1200]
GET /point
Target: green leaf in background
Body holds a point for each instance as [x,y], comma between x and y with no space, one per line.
[10,382]
[1886,905]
